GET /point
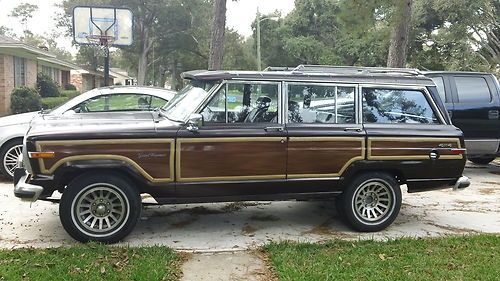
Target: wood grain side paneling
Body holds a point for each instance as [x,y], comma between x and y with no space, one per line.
[153,158]
[311,157]
[213,159]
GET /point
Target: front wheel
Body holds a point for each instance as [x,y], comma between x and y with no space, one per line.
[99,207]
[9,155]
[371,202]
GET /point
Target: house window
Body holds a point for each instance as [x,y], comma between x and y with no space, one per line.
[19,72]
[52,73]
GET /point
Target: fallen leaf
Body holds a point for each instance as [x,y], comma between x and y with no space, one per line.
[103,270]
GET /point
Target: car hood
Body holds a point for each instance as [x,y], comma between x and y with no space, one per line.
[17,119]
[98,125]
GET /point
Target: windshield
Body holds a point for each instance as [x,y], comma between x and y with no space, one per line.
[186,101]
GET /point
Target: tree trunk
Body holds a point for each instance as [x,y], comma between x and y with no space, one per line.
[142,65]
[399,37]
[218,32]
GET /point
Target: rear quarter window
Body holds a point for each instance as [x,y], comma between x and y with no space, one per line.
[405,106]
[472,89]
[439,81]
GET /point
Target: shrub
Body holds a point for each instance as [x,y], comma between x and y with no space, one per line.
[24,99]
[69,93]
[70,87]
[50,103]
[46,86]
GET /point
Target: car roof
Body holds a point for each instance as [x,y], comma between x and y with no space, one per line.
[155,91]
[455,72]
[318,73]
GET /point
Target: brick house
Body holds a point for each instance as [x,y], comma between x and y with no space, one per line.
[86,80]
[19,65]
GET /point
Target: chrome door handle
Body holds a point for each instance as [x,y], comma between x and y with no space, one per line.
[353,130]
[493,114]
[274,129]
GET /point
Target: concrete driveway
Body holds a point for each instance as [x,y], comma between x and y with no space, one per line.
[239,226]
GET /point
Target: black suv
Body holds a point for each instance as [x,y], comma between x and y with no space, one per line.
[473,103]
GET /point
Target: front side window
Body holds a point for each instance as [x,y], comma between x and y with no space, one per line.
[396,106]
[313,103]
[472,89]
[117,102]
[243,103]
[19,72]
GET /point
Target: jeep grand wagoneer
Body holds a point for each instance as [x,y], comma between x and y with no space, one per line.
[317,132]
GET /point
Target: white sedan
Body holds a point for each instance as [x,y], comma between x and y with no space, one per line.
[107,99]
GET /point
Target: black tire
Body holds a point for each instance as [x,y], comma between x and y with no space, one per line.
[385,189]
[104,198]
[3,153]
[482,160]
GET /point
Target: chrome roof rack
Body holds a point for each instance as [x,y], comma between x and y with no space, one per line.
[346,70]
[355,69]
[279,68]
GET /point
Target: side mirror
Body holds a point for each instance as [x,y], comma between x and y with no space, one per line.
[194,122]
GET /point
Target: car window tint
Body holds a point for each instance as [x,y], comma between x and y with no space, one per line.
[439,81]
[396,106]
[243,103]
[312,103]
[472,89]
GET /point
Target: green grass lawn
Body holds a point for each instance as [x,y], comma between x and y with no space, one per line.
[90,262]
[454,258]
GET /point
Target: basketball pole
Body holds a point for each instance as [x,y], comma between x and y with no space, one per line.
[104,43]
[106,66]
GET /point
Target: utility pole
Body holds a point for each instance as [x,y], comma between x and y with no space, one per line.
[258,19]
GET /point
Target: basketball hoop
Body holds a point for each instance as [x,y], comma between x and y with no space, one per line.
[102,27]
[100,40]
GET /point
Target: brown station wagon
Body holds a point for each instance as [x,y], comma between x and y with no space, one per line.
[315,132]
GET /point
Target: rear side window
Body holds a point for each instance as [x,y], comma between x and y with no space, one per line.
[440,87]
[397,106]
[472,89]
[327,104]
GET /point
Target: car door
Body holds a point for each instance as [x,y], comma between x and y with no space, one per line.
[476,111]
[324,134]
[240,149]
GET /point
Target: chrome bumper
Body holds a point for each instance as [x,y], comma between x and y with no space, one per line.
[25,191]
[462,182]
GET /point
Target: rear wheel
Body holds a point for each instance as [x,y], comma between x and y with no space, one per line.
[482,160]
[371,202]
[99,207]
[8,155]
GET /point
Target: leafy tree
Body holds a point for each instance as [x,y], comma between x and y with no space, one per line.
[24,12]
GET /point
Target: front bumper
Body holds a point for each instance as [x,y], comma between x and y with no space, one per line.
[24,190]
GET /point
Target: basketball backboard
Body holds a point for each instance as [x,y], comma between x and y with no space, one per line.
[92,23]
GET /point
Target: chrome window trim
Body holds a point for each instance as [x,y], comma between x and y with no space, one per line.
[326,83]
[406,87]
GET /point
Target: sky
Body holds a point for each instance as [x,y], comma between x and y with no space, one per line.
[240,16]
